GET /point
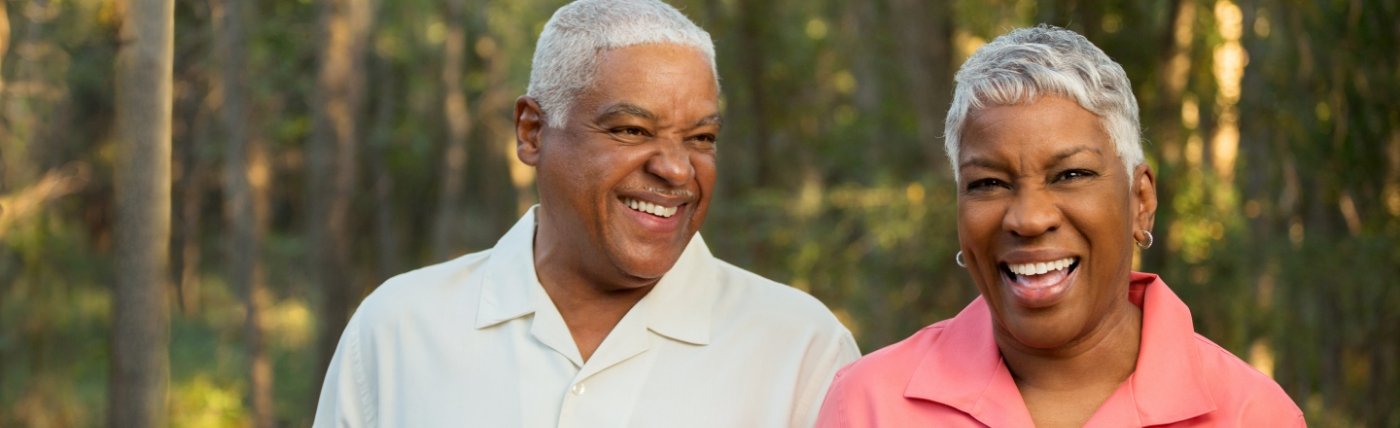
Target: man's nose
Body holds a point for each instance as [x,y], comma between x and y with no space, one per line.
[671,163]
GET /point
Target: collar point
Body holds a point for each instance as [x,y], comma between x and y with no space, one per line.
[696,337]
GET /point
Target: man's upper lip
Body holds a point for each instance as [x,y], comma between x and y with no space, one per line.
[1040,255]
[656,198]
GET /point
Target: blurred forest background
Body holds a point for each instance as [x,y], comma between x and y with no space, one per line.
[321,146]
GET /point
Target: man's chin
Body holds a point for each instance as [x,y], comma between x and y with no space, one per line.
[648,270]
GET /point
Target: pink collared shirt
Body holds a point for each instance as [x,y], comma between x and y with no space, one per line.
[951,374]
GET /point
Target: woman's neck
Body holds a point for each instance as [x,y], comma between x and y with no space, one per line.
[1066,385]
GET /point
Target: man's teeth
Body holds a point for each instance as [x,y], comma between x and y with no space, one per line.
[1040,268]
[650,208]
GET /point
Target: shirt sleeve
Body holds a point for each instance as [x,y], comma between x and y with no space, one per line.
[1270,406]
[346,397]
[833,410]
[838,350]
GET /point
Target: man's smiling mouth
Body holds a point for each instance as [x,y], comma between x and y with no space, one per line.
[650,208]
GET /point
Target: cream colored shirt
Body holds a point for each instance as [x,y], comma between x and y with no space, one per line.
[476,342]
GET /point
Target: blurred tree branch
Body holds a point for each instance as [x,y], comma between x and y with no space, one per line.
[17,206]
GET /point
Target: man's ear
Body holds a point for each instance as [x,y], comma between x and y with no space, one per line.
[1144,198]
[529,123]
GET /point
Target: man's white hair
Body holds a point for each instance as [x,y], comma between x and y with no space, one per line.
[567,54]
[1027,63]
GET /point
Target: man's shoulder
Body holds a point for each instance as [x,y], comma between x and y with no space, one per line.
[1237,385]
[423,288]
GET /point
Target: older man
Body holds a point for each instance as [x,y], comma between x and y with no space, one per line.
[601,307]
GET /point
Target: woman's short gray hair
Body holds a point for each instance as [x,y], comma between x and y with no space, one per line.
[1027,63]
[567,54]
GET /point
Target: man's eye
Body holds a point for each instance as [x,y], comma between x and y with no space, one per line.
[705,138]
[629,131]
[1076,174]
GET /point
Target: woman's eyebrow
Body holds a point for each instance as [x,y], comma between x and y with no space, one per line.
[979,161]
[1066,153]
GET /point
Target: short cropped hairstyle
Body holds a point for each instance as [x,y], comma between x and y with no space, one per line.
[567,54]
[1027,63]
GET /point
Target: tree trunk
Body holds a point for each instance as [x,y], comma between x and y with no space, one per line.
[245,225]
[386,244]
[1082,17]
[140,317]
[447,224]
[331,163]
[1172,76]
[752,15]
[926,46]
[185,244]
[868,57]
[4,46]
[495,132]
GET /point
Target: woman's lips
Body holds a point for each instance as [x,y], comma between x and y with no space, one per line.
[1038,285]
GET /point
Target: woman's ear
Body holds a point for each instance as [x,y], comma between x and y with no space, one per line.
[529,121]
[1144,195]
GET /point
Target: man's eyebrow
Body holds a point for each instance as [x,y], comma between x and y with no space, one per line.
[713,119]
[626,109]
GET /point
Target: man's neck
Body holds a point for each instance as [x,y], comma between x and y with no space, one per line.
[590,314]
[590,305]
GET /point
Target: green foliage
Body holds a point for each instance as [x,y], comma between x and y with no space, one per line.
[881,255]
[1288,258]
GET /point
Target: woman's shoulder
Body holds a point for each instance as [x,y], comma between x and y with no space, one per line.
[1240,389]
[892,364]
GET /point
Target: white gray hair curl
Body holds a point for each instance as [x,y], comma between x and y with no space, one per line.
[1022,65]
[567,54]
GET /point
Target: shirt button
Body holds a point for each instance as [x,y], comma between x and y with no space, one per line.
[578,389]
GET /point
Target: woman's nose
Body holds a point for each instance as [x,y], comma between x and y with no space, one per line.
[1032,213]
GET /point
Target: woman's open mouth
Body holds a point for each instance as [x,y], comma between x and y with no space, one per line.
[1039,284]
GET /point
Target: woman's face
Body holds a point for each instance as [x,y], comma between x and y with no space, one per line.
[1047,220]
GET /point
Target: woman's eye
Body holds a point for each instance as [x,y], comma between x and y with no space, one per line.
[985,184]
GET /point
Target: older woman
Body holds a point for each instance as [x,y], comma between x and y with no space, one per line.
[1053,196]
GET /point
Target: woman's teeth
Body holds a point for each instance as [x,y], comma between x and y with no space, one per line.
[1028,269]
[650,208]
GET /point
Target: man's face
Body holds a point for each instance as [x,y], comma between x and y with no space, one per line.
[626,182]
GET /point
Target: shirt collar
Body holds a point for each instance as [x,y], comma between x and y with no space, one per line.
[1169,383]
[509,275]
[964,368]
[679,306]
